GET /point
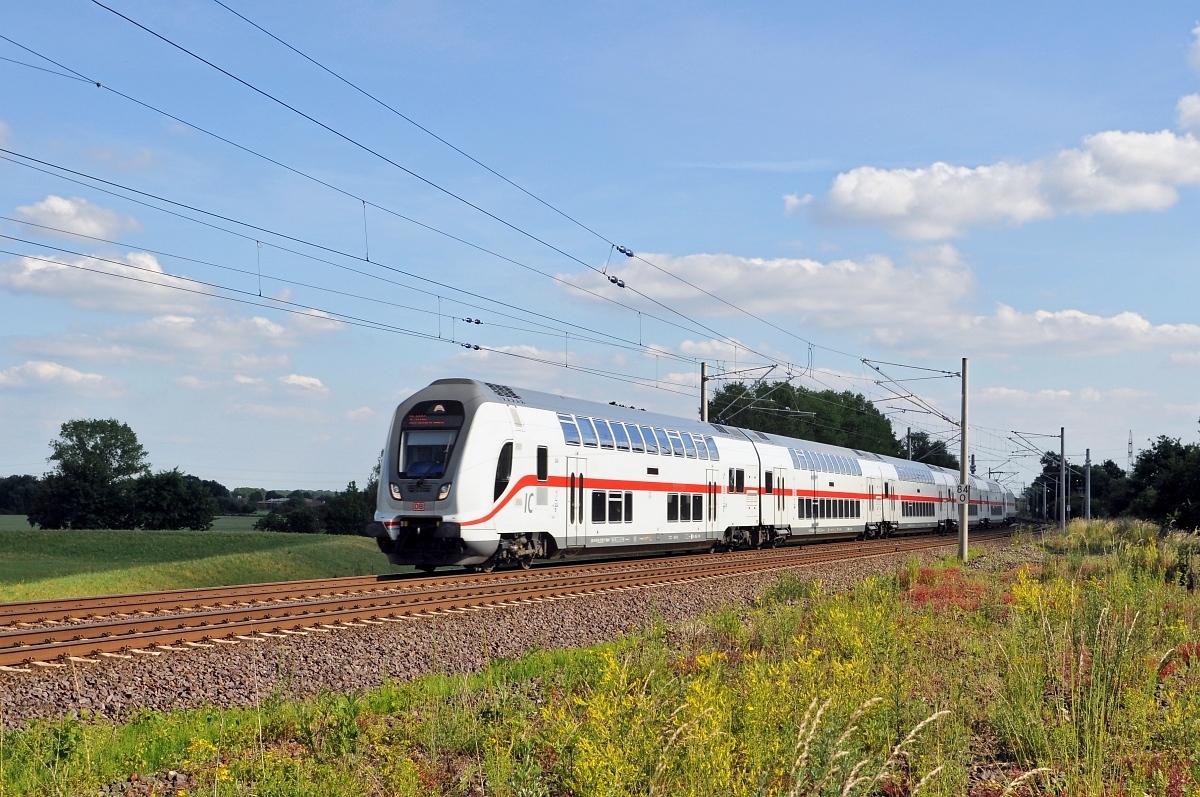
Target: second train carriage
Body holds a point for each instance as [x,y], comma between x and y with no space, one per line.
[477,474]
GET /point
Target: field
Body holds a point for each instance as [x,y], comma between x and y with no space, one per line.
[36,563]
[1078,675]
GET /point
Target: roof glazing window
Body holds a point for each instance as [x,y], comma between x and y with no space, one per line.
[604,433]
[648,436]
[588,431]
[713,453]
[569,429]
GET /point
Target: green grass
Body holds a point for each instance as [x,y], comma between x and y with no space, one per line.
[1080,676]
[13,523]
[37,563]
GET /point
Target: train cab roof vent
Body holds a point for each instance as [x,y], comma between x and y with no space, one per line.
[720,428]
[762,436]
[506,392]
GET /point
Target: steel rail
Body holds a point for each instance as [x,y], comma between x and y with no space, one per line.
[323,615]
[73,609]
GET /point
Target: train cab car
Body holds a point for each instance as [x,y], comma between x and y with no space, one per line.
[478,474]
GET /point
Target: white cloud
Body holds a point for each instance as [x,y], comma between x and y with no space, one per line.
[81,347]
[793,202]
[912,306]
[211,335]
[838,293]
[1112,172]
[192,382]
[44,373]
[242,379]
[260,362]
[1188,113]
[1194,52]
[306,383]
[361,414]
[76,215]
[1090,395]
[137,288]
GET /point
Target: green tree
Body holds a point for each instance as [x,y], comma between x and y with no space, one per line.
[95,465]
[1165,483]
[16,494]
[349,511]
[843,419]
[171,500]
[931,452]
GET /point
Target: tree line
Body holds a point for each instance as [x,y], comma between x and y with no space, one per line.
[845,419]
[1162,484]
[100,479]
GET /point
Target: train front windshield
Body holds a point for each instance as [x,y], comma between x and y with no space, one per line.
[425,453]
[427,439]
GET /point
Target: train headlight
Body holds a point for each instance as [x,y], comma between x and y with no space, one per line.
[395,491]
[444,492]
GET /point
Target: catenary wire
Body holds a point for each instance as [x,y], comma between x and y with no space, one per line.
[284,236]
[296,308]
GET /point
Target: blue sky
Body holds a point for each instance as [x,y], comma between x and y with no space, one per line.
[1015,183]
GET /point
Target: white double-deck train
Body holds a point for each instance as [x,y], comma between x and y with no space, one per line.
[480,474]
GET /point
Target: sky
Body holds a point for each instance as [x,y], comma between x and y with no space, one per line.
[252,263]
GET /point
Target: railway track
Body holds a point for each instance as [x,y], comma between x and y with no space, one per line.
[39,632]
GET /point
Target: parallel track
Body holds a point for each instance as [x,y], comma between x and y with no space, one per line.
[90,626]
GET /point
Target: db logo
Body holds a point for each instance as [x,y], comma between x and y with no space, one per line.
[418,506]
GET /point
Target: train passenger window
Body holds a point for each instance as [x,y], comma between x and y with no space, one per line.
[701,449]
[587,431]
[689,445]
[543,463]
[569,429]
[635,438]
[697,507]
[713,453]
[664,442]
[685,508]
[620,436]
[616,502]
[677,443]
[604,433]
[741,480]
[503,470]
[768,482]
[599,501]
[628,507]
[648,436]
[673,507]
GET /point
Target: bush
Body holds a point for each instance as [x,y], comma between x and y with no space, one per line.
[348,512]
[171,500]
[296,518]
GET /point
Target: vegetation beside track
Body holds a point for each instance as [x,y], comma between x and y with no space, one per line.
[1079,675]
[42,563]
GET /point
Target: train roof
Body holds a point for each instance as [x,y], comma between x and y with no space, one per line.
[524,397]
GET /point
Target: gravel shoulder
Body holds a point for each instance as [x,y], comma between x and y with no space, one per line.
[365,656]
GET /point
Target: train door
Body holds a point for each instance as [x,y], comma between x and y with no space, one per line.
[768,503]
[710,515]
[781,499]
[889,502]
[576,507]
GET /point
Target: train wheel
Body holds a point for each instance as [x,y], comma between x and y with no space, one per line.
[486,567]
[426,568]
[525,562]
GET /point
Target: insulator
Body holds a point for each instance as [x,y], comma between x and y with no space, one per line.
[612,279]
[478,321]
[476,348]
[620,283]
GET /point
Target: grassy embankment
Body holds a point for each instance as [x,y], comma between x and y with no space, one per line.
[1079,676]
[36,563]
